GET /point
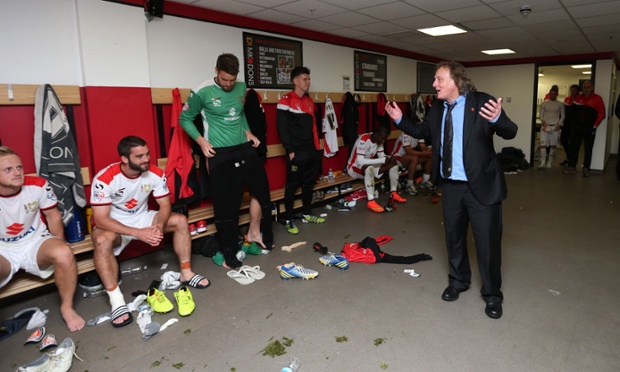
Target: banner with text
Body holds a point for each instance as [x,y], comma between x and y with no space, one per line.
[270,60]
[370,72]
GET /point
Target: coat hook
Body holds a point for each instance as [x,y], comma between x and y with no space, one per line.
[279,95]
[10,92]
[363,97]
[265,96]
[326,96]
[316,96]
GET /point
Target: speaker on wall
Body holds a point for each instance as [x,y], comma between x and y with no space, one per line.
[155,8]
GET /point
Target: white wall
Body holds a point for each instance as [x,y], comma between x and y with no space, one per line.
[182,53]
[39,40]
[514,83]
[113,44]
[602,87]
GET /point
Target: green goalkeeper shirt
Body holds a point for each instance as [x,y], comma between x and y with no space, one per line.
[222,114]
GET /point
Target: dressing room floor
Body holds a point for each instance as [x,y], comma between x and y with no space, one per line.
[561,308]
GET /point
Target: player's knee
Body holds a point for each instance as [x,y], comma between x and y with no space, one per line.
[179,222]
[370,170]
[62,255]
[102,240]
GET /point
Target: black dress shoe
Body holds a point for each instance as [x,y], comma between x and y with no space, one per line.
[451,293]
[493,310]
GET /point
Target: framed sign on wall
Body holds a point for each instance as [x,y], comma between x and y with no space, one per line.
[426,77]
[370,72]
[268,61]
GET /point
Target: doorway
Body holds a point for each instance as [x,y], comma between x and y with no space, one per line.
[563,75]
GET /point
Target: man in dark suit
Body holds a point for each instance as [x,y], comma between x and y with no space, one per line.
[471,176]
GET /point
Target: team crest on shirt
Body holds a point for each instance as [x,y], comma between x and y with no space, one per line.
[146,188]
[31,207]
[185,106]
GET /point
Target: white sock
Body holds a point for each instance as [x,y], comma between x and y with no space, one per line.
[426,177]
[409,182]
[369,182]
[393,173]
[116,298]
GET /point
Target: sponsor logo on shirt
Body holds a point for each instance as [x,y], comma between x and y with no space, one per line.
[217,102]
[131,204]
[17,238]
[15,228]
[119,193]
[98,196]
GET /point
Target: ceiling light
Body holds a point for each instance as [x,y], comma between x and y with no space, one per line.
[493,52]
[541,74]
[442,30]
[586,72]
[581,66]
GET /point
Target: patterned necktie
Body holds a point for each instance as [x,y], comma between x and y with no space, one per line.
[447,143]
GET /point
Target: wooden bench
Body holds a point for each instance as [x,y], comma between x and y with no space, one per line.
[24,95]
[82,250]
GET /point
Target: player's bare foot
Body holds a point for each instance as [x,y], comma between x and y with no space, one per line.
[256,238]
[203,283]
[74,321]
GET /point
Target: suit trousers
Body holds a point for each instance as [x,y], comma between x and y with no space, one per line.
[460,208]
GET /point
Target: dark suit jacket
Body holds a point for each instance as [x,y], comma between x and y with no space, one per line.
[484,171]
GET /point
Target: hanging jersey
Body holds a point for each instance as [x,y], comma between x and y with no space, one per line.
[365,152]
[330,124]
[20,214]
[420,108]
[127,196]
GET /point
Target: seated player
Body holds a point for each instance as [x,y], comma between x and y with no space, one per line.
[368,161]
[119,199]
[25,240]
[409,152]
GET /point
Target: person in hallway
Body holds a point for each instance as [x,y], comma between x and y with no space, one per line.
[590,111]
[26,242]
[229,146]
[552,116]
[119,198]
[368,161]
[569,122]
[409,152]
[462,123]
[298,134]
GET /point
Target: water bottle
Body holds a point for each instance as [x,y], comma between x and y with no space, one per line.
[330,176]
[292,366]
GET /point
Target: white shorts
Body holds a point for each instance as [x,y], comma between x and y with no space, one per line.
[550,138]
[24,256]
[351,172]
[139,221]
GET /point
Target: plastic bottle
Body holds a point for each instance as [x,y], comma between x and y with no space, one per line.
[292,366]
[134,270]
[330,176]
